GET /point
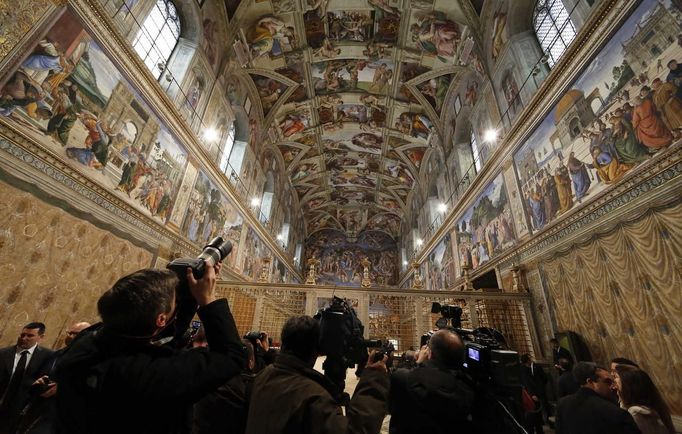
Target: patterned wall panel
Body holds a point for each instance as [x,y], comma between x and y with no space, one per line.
[54,265]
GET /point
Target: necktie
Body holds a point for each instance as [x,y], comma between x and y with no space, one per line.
[15,381]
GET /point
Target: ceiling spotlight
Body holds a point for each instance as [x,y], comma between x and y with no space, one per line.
[255,201]
[210,134]
[405,263]
[442,207]
[280,237]
[420,241]
[490,136]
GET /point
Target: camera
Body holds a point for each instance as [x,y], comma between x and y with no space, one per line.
[255,336]
[448,312]
[213,252]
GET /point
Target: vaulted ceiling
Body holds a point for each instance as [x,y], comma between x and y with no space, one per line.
[354,95]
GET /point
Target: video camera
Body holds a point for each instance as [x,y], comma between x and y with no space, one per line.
[342,340]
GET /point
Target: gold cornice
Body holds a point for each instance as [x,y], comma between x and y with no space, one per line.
[128,62]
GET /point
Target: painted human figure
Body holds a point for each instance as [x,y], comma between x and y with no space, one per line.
[651,130]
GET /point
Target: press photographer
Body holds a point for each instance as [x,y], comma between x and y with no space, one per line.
[342,341]
[264,355]
[116,377]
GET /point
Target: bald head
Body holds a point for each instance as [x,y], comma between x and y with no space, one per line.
[73,331]
[447,348]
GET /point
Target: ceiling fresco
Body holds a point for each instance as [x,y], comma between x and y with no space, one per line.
[372,84]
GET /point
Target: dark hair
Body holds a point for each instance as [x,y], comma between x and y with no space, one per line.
[447,348]
[249,353]
[36,325]
[554,341]
[300,337]
[637,388]
[624,361]
[132,305]
[584,371]
[525,358]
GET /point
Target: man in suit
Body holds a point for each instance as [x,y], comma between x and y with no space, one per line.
[534,380]
[559,352]
[22,364]
[590,410]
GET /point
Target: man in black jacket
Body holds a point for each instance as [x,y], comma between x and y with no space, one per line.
[590,410]
[20,366]
[566,384]
[433,398]
[115,379]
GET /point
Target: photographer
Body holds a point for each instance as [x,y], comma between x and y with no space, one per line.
[289,396]
[114,378]
[434,397]
[263,354]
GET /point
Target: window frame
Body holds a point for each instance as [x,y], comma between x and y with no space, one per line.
[158,36]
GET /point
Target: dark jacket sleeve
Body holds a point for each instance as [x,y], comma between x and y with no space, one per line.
[364,415]
[190,375]
[626,423]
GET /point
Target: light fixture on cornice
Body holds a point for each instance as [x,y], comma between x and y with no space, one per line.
[442,207]
[405,263]
[490,135]
[210,134]
[255,202]
[419,242]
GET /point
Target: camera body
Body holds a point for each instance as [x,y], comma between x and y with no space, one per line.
[255,336]
[213,252]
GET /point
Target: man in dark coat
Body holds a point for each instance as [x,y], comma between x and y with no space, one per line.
[534,381]
[114,379]
[559,352]
[590,410]
[566,384]
[20,366]
[434,397]
[290,397]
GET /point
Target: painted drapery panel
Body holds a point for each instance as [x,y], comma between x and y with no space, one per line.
[71,98]
[341,257]
[486,228]
[621,292]
[624,108]
[441,267]
[76,263]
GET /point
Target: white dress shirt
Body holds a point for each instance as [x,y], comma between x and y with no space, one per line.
[17,356]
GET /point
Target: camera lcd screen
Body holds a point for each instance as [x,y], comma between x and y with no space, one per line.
[474,354]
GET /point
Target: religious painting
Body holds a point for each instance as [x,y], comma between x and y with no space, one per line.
[625,107]
[352,178]
[499,32]
[360,142]
[352,219]
[350,25]
[272,35]
[510,91]
[351,197]
[70,97]
[388,22]
[253,252]
[416,155]
[440,267]
[413,124]
[458,105]
[321,221]
[314,29]
[289,153]
[352,75]
[435,34]
[294,123]
[387,222]
[388,203]
[399,172]
[486,228]
[269,91]
[210,214]
[295,73]
[435,90]
[341,258]
[305,169]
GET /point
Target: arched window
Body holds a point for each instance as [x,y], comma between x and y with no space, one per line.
[553,28]
[158,36]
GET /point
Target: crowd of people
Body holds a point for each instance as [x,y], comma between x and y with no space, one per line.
[139,372]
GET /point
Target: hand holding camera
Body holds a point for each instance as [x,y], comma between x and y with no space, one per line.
[377,360]
[203,290]
[44,387]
